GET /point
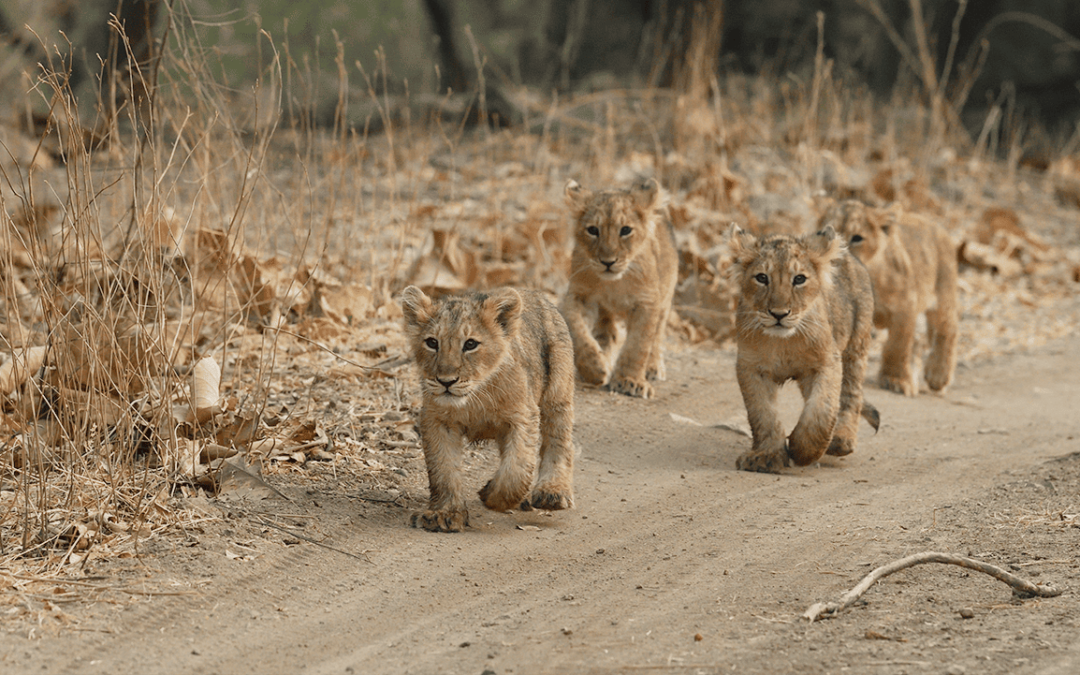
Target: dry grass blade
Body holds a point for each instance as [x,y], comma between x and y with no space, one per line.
[1020,586]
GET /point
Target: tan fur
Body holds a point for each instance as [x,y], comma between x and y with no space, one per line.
[493,366]
[804,314]
[624,269]
[912,264]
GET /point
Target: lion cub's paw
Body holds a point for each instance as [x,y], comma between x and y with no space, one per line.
[767,461]
[656,372]
[840,447]
[632,387]
[899,385]
[592,371]
[499,500]
[937,380]
[450,520]
[551,501]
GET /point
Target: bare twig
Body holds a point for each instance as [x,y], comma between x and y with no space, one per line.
[306,538]
[1022,587]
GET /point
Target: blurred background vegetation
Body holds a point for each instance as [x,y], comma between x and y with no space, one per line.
[1021,55]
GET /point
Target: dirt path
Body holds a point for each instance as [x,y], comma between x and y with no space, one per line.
[672,562]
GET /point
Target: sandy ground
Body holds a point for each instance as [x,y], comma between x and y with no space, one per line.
[672,562]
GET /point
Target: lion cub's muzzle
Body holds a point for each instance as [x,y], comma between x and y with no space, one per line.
[612,268]
[778,322]
[449,390]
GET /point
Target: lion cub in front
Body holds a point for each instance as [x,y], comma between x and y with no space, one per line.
[493,366]
[624,269]
[804,313]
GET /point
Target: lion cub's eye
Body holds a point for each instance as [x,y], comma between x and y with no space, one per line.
[625,231]
[593,230]
[856,238]
[762,279]
[469,345]
[432,344]
[799,280]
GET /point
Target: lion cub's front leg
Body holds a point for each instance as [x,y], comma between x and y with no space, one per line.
[642,340]
[769,451]
[813,433]
[942,326]
[592,365]
[517,465]
[446,510]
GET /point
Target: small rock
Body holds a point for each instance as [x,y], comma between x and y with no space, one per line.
[966,613]
[698,637]
[955,670]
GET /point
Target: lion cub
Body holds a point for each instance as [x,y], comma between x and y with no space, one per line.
[912,264]
[496,366]
[623,269]
[804,313]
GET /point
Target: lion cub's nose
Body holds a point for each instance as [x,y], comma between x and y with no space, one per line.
[779,314]
[447,383]
[607,264]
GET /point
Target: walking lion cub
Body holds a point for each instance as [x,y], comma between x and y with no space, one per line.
[912,264]
[804,312]
[624,269]
[493,366]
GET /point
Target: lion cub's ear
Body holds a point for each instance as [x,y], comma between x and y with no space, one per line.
[742,244]
[648,196]
[824,246]
[416,306]
[503,307]
[577,197]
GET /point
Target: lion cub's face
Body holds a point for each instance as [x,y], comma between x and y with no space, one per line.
[459,343]
[864,230]
[780,278]
[613,226]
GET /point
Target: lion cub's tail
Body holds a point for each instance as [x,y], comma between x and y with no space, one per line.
[871,415]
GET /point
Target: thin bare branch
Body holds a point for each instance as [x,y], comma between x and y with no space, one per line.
[1022,587]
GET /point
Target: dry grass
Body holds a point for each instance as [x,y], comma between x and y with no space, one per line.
[205,222]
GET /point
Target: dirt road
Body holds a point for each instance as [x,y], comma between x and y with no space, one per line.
[672,562]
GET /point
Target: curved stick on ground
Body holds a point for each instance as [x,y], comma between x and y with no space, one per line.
[1021,587]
